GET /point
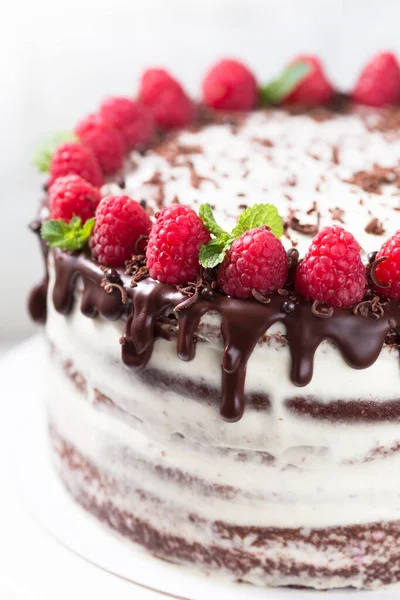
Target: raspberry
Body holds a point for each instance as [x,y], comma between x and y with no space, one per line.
[120,221]
[74,158]
[256,261]
[71,195]
[134,121]
[230,85]
[379,81]
[314,88]
[166,99]
[388,271]
[332,270]
[174,244]
[104,141]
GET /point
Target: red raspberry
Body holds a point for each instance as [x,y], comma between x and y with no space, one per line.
[166,99]
[72,195]
[174,244]
[120,221]
[332,270]
[230,85]
[104,141]
[74,158]
[314,88]
[388,271]
[379,81]
[256,261]
[134,121]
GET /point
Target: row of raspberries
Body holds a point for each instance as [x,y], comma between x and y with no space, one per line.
[100,141]
[250,259]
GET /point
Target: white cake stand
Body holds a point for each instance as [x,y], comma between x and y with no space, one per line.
[25,465]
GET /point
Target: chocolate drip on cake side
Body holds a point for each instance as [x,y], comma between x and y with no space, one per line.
[37,301]
[243,323]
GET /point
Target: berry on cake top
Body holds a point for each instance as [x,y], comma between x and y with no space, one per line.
[179,243]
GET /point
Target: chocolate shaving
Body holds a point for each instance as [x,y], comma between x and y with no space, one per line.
[264,142]
[373,308]
[305,228]
[195,178]
[190,149]
[189,300]
[260,297]
[335,155]
[387,123]
[108,287]
[372,272]
[140,239]
[313,208]
[372,181]
[192,291]
[205,284]
[155,179]
[337,214]
[319,309]
[136,267]
[375,227]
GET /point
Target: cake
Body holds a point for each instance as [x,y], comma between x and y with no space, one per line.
[254,437]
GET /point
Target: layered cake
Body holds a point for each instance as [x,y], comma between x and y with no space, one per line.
[222,314]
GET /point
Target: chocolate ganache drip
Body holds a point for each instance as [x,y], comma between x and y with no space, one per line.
[243,323]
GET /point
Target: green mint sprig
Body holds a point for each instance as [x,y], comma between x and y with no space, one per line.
[45,150]
[71,236]
[259,215]
[277,90]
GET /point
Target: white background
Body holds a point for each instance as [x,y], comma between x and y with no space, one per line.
[58,58]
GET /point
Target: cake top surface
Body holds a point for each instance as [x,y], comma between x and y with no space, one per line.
[342,169]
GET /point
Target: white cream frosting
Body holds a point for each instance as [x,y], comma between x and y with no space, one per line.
[302,150]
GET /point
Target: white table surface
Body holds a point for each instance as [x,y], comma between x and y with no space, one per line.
[34,566]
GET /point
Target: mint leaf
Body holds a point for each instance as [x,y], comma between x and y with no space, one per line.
[257,216]
[213,253]
[206,215]
[277,90]
[68,236]
[45,150]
